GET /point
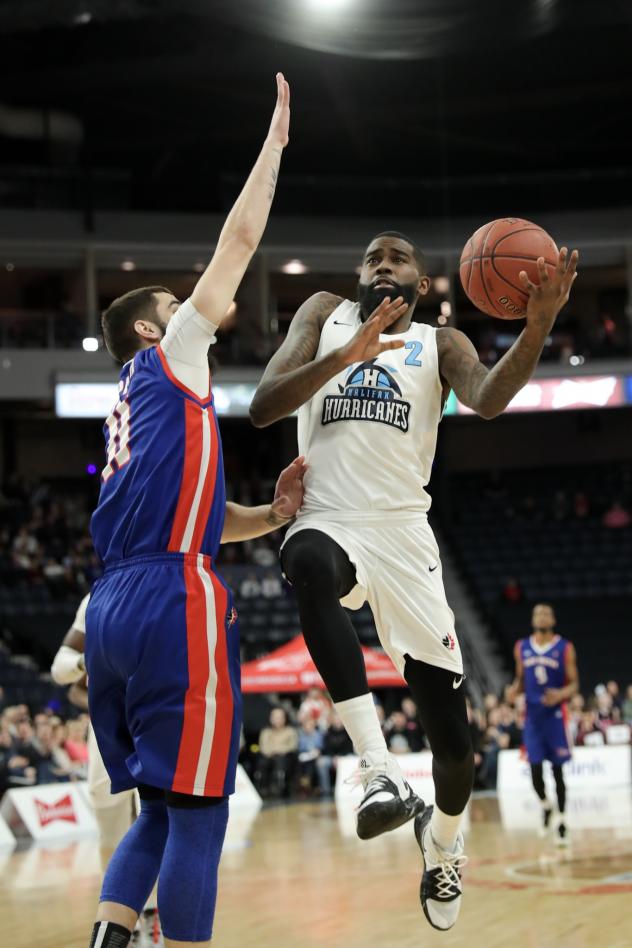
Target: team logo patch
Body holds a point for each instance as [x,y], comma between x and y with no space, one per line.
[370,393]
[449,641]
[232,618]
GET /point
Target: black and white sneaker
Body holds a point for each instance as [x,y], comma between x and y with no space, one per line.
[441,888]
[545,825]
[561,834]
[388,800]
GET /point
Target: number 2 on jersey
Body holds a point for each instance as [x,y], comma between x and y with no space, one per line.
[415,348]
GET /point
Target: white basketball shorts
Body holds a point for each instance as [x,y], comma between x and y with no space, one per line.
[398,573]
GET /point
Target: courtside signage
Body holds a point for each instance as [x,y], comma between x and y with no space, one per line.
[49,811]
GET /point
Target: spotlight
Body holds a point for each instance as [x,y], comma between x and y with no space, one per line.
[442,284]
[199,267]
[91,469]
[10,267]
[90,344]
[446,308]
[294,267]
[128,265]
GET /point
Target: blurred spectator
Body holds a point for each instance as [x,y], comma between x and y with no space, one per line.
[76,743]
[581,505]
[627,705]
[336,743]
[512,591]
[316,706]
[477,733]
[414,730]
[616,516]
[310,745]
[396,733]
[277,756]
[613,690]
[590,731]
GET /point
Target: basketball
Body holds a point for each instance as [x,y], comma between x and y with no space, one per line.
[494,256]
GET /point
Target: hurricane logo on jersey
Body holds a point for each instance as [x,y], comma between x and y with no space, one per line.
[369,394]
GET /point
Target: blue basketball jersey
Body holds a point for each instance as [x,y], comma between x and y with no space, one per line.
[163,485]
[544,667]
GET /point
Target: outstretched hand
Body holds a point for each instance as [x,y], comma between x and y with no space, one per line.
[547,297]
[366,343]
[280,125]
[288,494]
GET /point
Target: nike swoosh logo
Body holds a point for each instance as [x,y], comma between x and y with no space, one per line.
[457,683]
[431,569]
[336,323]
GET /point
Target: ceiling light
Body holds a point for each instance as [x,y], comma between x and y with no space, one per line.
[294,267]
[446,308]
[442,284]
[90,344]
[128,265]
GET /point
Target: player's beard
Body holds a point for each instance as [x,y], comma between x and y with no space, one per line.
[369,298]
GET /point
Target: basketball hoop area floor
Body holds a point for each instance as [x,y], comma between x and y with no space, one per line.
[296,877]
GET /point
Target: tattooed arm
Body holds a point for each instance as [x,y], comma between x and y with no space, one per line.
[489,392]
[246,523]
[246,222]
[292,376]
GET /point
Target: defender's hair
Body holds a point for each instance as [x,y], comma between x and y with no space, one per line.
[117,321]
[417,253]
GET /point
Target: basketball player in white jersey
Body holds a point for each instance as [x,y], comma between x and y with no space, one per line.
[370,385]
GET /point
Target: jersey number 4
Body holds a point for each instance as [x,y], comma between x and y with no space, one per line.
[118,452]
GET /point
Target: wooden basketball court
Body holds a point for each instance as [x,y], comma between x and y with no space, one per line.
[295,876]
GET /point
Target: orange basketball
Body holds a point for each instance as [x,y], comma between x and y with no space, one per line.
[494,256]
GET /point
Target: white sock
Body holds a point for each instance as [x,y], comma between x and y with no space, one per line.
[362,725]
[445,829]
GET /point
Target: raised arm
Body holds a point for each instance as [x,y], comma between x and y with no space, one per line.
[293,375]
[488,392]
[247,220]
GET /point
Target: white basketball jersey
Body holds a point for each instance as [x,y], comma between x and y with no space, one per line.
[369,435]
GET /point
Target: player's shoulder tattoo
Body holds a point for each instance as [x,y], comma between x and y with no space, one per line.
[322,305]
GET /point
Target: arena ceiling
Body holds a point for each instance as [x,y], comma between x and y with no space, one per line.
[407,107]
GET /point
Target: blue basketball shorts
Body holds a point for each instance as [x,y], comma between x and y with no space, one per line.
[162,656]
[546,737]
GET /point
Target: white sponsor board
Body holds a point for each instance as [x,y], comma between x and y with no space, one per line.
[7,839]
[417,771]
[586,808]
[48,812]
[598,767]
[245,794]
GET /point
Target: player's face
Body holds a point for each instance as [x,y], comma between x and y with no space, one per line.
[543,619]
[389,269]
[166,305]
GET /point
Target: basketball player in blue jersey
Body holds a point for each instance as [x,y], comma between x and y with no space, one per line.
[162,646]
[546,671]
[370,385]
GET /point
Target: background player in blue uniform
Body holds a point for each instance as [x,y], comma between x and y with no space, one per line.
[546,670]
[162,646]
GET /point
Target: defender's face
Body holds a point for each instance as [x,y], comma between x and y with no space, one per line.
[166,306]
[543,618]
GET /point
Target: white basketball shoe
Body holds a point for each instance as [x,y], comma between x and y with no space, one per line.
[441,887]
